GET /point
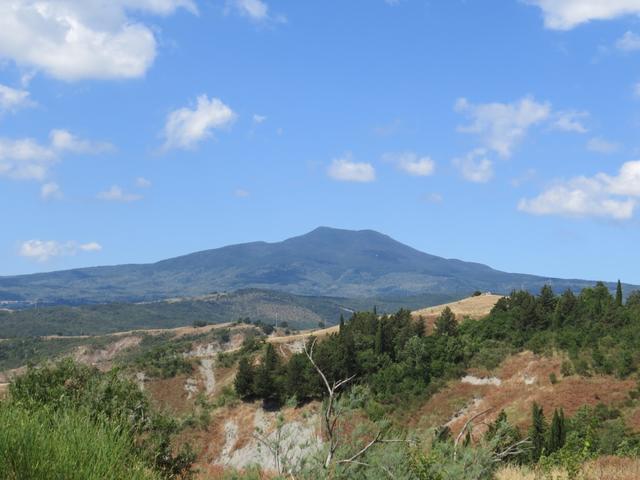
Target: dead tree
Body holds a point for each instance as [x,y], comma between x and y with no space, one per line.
[331,415]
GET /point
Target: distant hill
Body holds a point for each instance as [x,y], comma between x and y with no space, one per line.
[324,262]
[300,312]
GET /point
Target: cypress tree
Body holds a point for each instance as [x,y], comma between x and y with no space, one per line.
[341,331]
[379,340]
[265,385]
[557,434]
[619,294]
[348,355]
[296,379]
[244,380]
[537,432]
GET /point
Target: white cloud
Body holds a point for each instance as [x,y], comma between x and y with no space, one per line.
[186,127]
[50,191]
[142,182]
[116,194]
[258,118]
[63,140]
[241,193]
[569,121]
[256,10]
[475,166]
[26,159]
[80,39]
[346,170]
[91,247]
[43,250]
[411,163]
[12,99]
[567,14]
[636,90]
[629,42]
[501,126]
[602,195]
[601,145]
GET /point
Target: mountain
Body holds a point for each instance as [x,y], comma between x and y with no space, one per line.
[324,262]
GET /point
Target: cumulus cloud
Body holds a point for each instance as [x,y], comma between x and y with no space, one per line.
[501,126]
[601,145]
[50,191]
[256,10]
[186,127]
[117,194]
[567,14]
[570,121]
[602,195]
[12,99]
[411,163]
[345,169]
[26,159]
[629,42]
[142,182]
[44,250]
[258,118]
[475,166]
[79,39]
[63,140]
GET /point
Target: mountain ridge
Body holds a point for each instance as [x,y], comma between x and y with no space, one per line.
[323,262]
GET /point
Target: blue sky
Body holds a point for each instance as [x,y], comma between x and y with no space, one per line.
[504,132]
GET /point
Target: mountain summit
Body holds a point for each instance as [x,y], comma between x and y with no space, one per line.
[326,262]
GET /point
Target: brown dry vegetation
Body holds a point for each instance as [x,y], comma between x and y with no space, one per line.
[169,394]
[603,468]
[472,307]
[525,379]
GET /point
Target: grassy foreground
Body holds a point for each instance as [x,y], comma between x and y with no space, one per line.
[47,444]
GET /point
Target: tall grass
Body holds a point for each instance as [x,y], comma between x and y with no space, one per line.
[44,444]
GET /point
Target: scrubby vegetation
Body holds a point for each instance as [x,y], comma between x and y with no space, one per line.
[71,421]
[379,361]
[392,357]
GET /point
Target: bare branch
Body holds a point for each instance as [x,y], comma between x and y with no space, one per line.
[464,428]
[363,450]
[512,450]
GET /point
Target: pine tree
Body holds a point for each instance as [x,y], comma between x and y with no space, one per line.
[244,380]
[446,323]
[537,432]
[557,434]
[619,294]
[341,331]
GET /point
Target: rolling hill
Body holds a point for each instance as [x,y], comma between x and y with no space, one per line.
[324,262]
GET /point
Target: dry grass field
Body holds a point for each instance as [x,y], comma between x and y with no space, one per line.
[472,307]
[604,468]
